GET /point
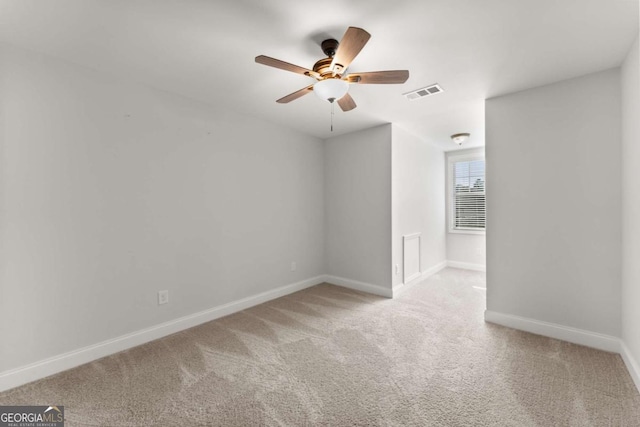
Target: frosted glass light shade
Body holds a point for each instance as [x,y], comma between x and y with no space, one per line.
[459,138]
[331,89]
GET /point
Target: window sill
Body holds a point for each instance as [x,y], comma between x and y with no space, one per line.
[463,231]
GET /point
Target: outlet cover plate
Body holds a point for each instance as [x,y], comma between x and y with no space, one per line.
[163,297]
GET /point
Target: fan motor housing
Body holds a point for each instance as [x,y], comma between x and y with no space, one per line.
[323,67]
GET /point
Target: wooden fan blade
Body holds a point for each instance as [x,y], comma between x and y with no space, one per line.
[295,95]
[347,103]
[379,77]
[276,63]
[350,46]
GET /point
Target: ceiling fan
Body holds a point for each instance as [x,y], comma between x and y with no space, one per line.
[331,72]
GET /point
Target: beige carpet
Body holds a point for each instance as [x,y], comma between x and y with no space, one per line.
[333,357]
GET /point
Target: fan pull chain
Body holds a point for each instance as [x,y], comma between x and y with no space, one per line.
[332,117]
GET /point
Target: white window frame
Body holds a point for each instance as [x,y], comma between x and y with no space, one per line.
[451,159]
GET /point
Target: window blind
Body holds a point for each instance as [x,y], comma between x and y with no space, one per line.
[469,211]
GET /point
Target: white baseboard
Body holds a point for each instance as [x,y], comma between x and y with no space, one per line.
[359,286]
[414,276]
[632,364]
[553,330]
[44,368]
[467,266]
[434,269]
[401,287]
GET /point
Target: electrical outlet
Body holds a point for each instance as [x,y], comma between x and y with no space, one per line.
[293,266]
[163,297]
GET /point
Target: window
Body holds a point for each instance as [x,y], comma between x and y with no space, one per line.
[467,194]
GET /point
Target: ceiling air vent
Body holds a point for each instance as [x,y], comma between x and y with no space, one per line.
[425,91]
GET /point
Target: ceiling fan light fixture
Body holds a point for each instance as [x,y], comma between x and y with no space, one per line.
[459,138]
[333,84]
[331,89]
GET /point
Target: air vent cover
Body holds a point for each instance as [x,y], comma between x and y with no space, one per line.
[425,91]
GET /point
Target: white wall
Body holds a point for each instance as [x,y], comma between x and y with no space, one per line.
[631,205]
[4,304]
[111,191]
[418,199]
[464,249]
[358,207]
[554,205]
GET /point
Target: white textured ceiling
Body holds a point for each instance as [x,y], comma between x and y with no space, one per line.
[474,49]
